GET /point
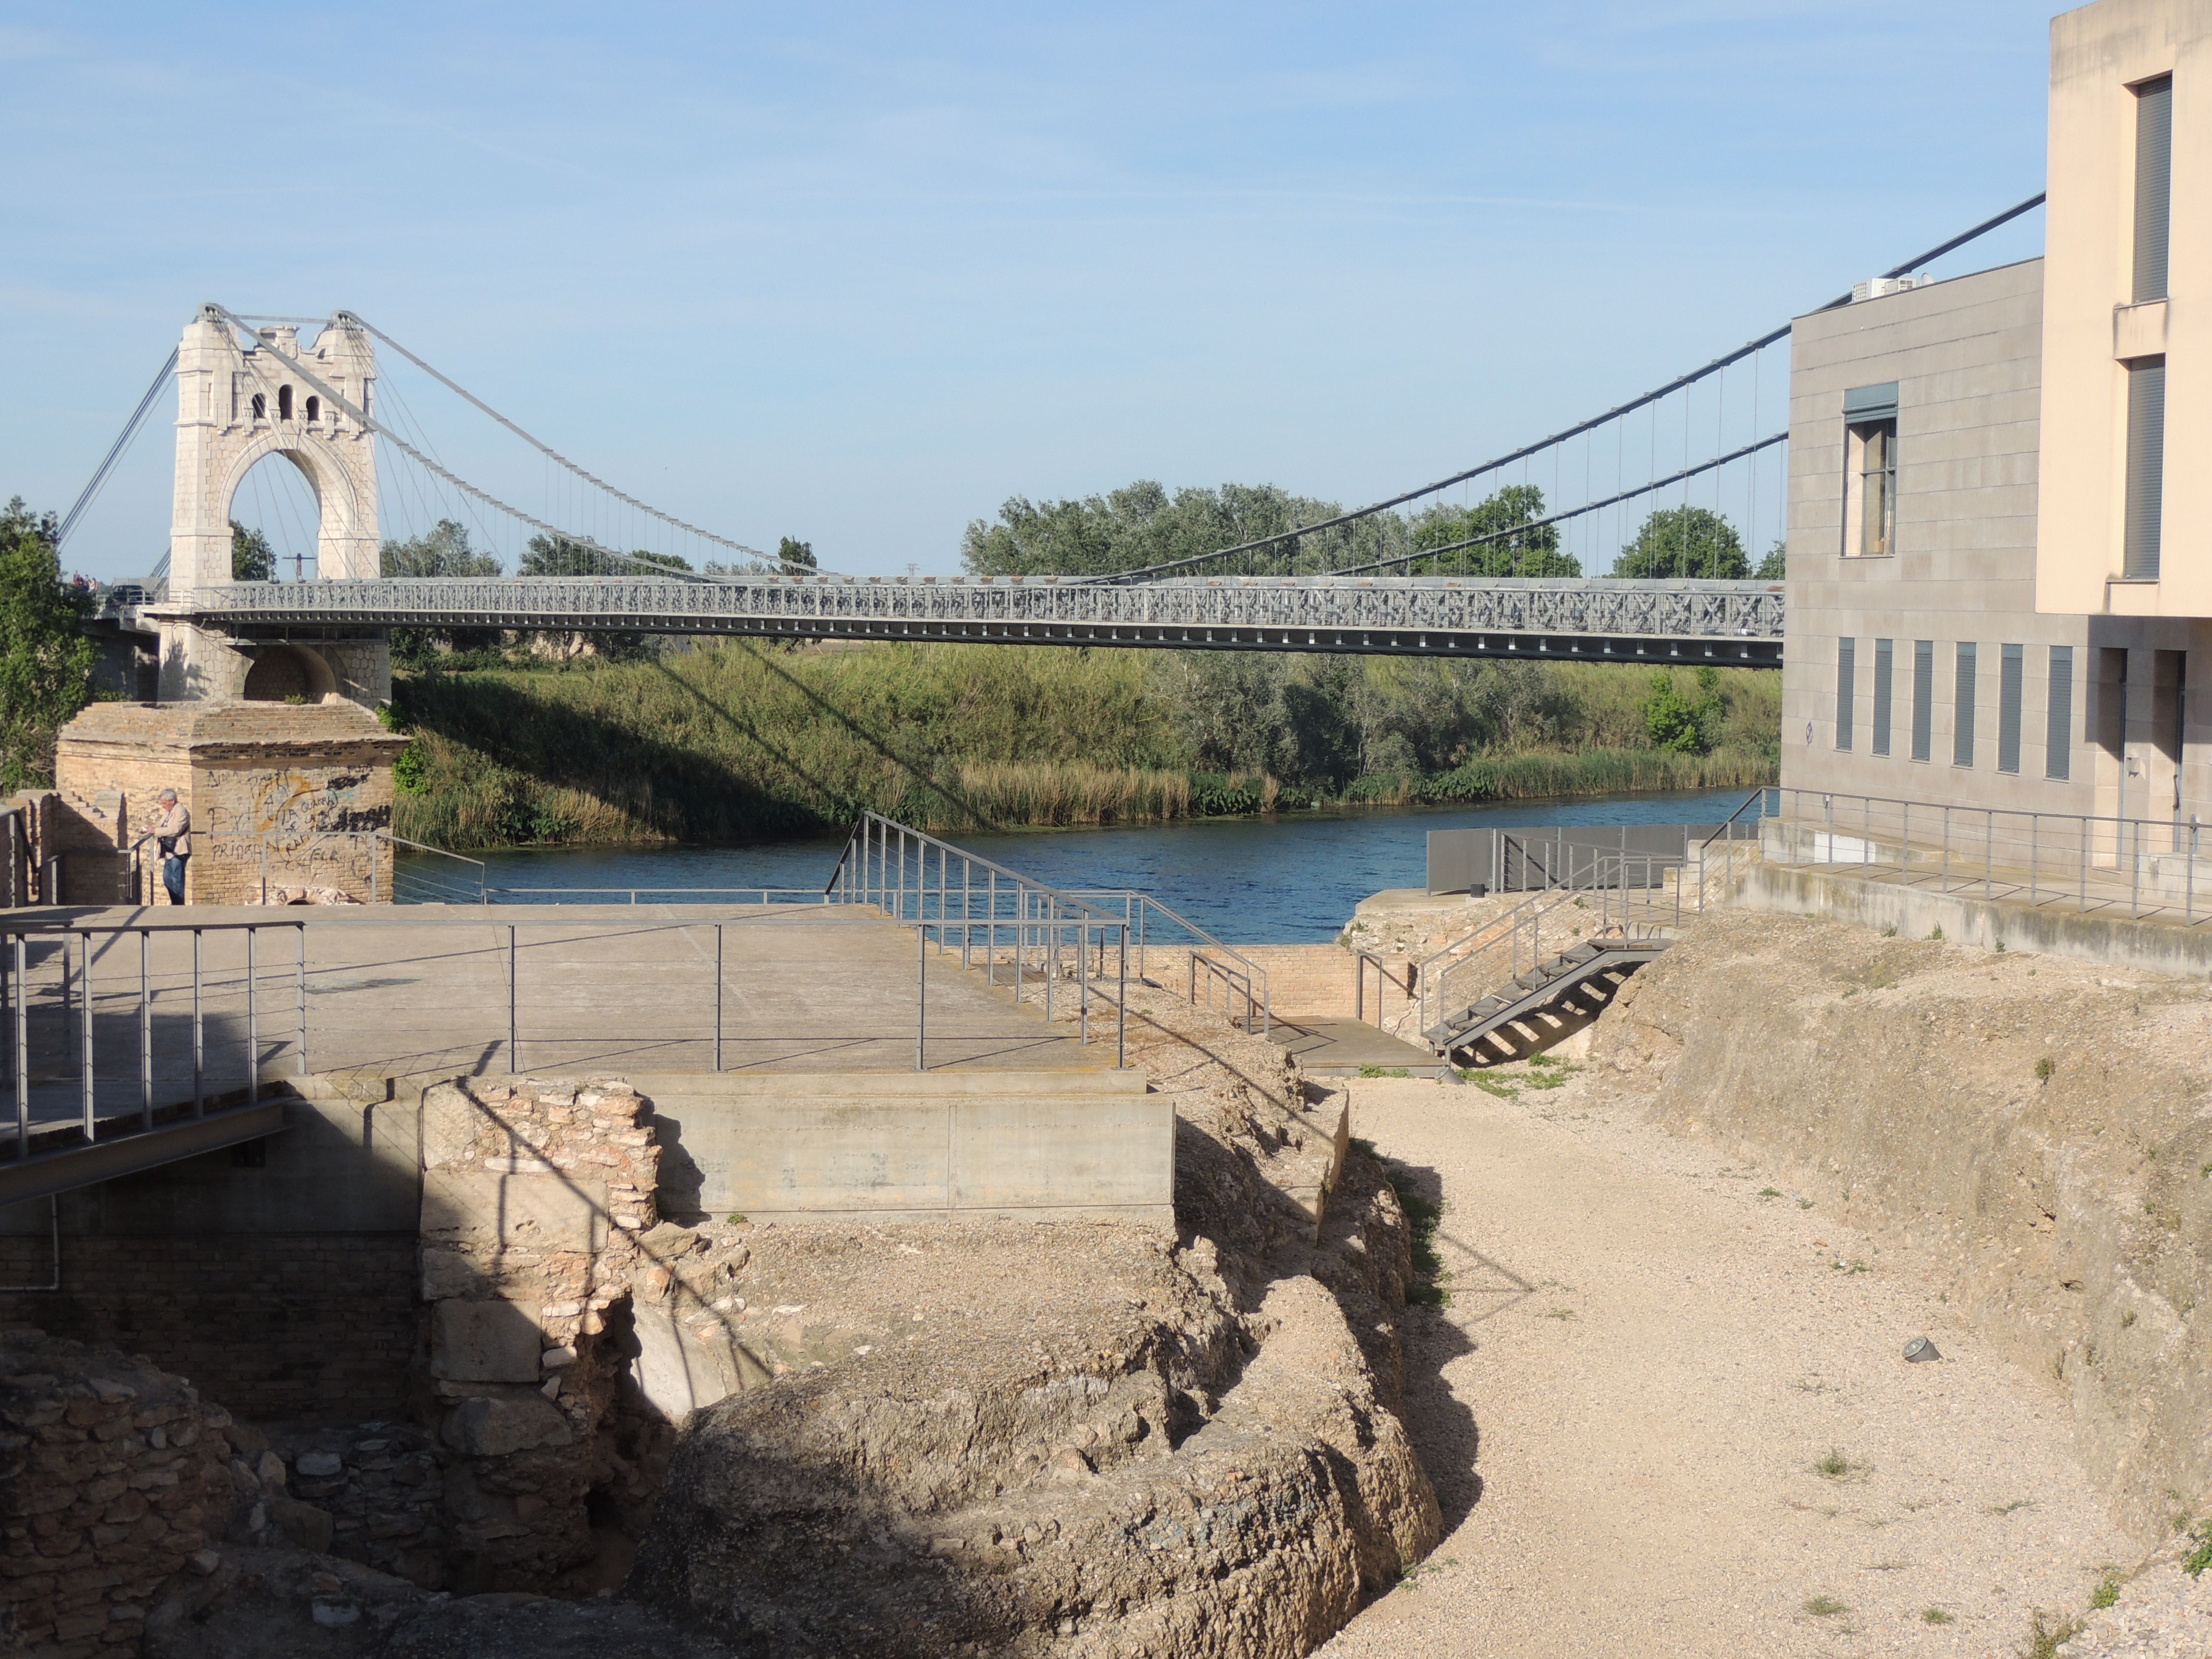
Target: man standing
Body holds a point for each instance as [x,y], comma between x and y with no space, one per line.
[171,836]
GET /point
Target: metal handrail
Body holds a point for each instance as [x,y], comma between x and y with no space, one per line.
[2148,863]
[1757,795]
[873,869]
[1136,907]
[679,895]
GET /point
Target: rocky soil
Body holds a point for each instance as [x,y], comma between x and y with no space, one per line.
[1080,1439]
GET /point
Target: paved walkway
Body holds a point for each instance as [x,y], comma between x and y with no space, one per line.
[1645,1362]
[421,991]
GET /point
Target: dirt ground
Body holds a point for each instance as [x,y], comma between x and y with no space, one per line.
[1667,1411]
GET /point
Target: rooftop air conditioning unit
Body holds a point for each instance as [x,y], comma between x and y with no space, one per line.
[1875,288]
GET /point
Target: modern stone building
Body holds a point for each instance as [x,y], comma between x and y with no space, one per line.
[1997,596]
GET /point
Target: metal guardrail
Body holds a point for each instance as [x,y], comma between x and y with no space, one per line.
[886,864]
[1638,893]
[1739,621]
[1238,976]
[2079,861]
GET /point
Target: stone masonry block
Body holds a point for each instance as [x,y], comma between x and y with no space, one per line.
[485,1209]
[485,1341]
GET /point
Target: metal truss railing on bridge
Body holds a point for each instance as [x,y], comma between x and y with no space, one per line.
[1731,621]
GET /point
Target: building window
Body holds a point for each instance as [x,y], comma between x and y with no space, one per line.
[2154,185]
[1962,722]
[260,407]
[1883,652]
[2009,667]
[1871,472]
[2146,467]
[1846,672]
[283,403]
[1923,698]
[2058,743]
[314,411]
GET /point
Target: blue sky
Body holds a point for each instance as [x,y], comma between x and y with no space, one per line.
[858,274]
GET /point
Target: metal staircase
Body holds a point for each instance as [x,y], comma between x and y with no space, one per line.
[1578,980]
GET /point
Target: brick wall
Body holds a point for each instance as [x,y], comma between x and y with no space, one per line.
[1313,980]
[275,1325]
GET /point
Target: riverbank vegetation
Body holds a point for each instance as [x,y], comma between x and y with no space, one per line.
[742,740]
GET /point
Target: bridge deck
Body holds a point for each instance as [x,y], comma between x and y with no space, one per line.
[1721,622]
[421,992]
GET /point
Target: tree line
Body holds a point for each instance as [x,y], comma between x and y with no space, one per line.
[1143,524]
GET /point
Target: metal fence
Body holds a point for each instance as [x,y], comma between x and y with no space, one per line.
[2145,867]
[1614,895]
[1030,932]
[1212,964]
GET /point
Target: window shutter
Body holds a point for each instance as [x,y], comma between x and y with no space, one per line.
[1962,721]
[1846,672]
[2058,746]
[2009,677]
[2153,186]
[1923,698]
[1883,653]
[2146,466]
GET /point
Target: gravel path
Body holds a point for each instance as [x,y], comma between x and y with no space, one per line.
[1645,1361]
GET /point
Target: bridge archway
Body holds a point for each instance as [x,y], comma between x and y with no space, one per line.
[239,404]
[288,674]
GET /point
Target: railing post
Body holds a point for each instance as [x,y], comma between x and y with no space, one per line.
[302,986]
[2034,840]
[22,1048]
[1122,999]
[1082,981]
[2134,895]
[921,994]
[1905,845]
[1943,878]
[145,1030]
[514,1057]
[252,1023]
[991,936]
[69,998]
[967,905]
[84,1009]
[1049,943]
[199,1034]
[718,996]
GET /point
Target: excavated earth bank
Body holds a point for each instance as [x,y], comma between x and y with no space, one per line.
[1073,1439]
[2042,1129]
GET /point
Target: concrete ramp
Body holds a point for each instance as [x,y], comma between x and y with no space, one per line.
[885,1146]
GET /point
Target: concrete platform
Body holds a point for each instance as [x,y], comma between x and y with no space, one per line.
[422,991]
[1341,1048]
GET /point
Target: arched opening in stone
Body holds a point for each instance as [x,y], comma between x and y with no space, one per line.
[314,410]
[275,499]
[285,673]
[283,403]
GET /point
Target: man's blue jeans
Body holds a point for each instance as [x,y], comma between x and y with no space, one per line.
[173,878]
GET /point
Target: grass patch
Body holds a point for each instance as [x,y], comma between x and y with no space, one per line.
[2106,1592]
[2018,1503]
[2201,1557]
[2044,1640]
[1825,1606]
[1837,1466]
[2045,1069]
[1934,1616]
[1848,1268]
[1431,1280]
[1382,1070]
[1770,1192]
[1468,1074]
[1804,1203]
[1562,1313]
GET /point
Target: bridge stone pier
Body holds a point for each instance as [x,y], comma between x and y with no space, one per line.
[236,405]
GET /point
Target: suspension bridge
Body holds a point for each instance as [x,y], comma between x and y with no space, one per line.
[1501,579]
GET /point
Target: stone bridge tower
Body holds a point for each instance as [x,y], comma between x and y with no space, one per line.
[235,405]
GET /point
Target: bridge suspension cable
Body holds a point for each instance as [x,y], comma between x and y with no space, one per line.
[355,412]
[1681,383]
[347,318]
[115,450]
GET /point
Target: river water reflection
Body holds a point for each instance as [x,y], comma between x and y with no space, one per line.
[1286,879]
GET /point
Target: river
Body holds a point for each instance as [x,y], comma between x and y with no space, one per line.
[1278,880]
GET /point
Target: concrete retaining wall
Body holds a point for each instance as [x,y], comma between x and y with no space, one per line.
[1915,913]
[914,1146]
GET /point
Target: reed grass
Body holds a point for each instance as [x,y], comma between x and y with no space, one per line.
[746,742]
